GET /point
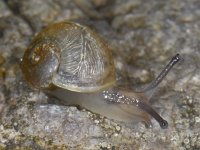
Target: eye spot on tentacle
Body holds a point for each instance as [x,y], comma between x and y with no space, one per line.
[164,124]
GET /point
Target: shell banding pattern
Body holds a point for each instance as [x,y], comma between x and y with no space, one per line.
[85,60]
[80,59]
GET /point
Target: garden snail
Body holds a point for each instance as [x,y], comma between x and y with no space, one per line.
[73,63]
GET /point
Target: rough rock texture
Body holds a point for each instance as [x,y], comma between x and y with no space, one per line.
[144,35]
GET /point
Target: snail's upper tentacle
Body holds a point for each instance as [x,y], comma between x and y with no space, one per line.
[148,90]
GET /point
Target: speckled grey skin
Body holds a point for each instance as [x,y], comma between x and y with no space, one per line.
[143,35]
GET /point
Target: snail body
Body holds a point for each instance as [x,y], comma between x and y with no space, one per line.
[74,64]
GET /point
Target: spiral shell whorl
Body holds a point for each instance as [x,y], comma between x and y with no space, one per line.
[82,61]
[40,62]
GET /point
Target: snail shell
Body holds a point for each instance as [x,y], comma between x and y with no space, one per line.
[70,56]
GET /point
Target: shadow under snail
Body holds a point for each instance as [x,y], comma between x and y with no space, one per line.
[74,64]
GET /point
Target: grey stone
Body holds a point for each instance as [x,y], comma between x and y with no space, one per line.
[143,36]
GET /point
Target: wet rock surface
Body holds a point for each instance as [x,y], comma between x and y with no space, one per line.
[143,35]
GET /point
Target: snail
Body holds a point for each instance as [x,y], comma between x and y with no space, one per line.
[71,62]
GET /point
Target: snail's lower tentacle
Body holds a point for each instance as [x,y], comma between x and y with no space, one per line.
[163,123]
[125,98]
[162,75]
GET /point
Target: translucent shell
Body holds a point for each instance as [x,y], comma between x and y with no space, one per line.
[85,61]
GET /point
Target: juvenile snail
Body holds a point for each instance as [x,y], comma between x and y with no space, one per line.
[74,64]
